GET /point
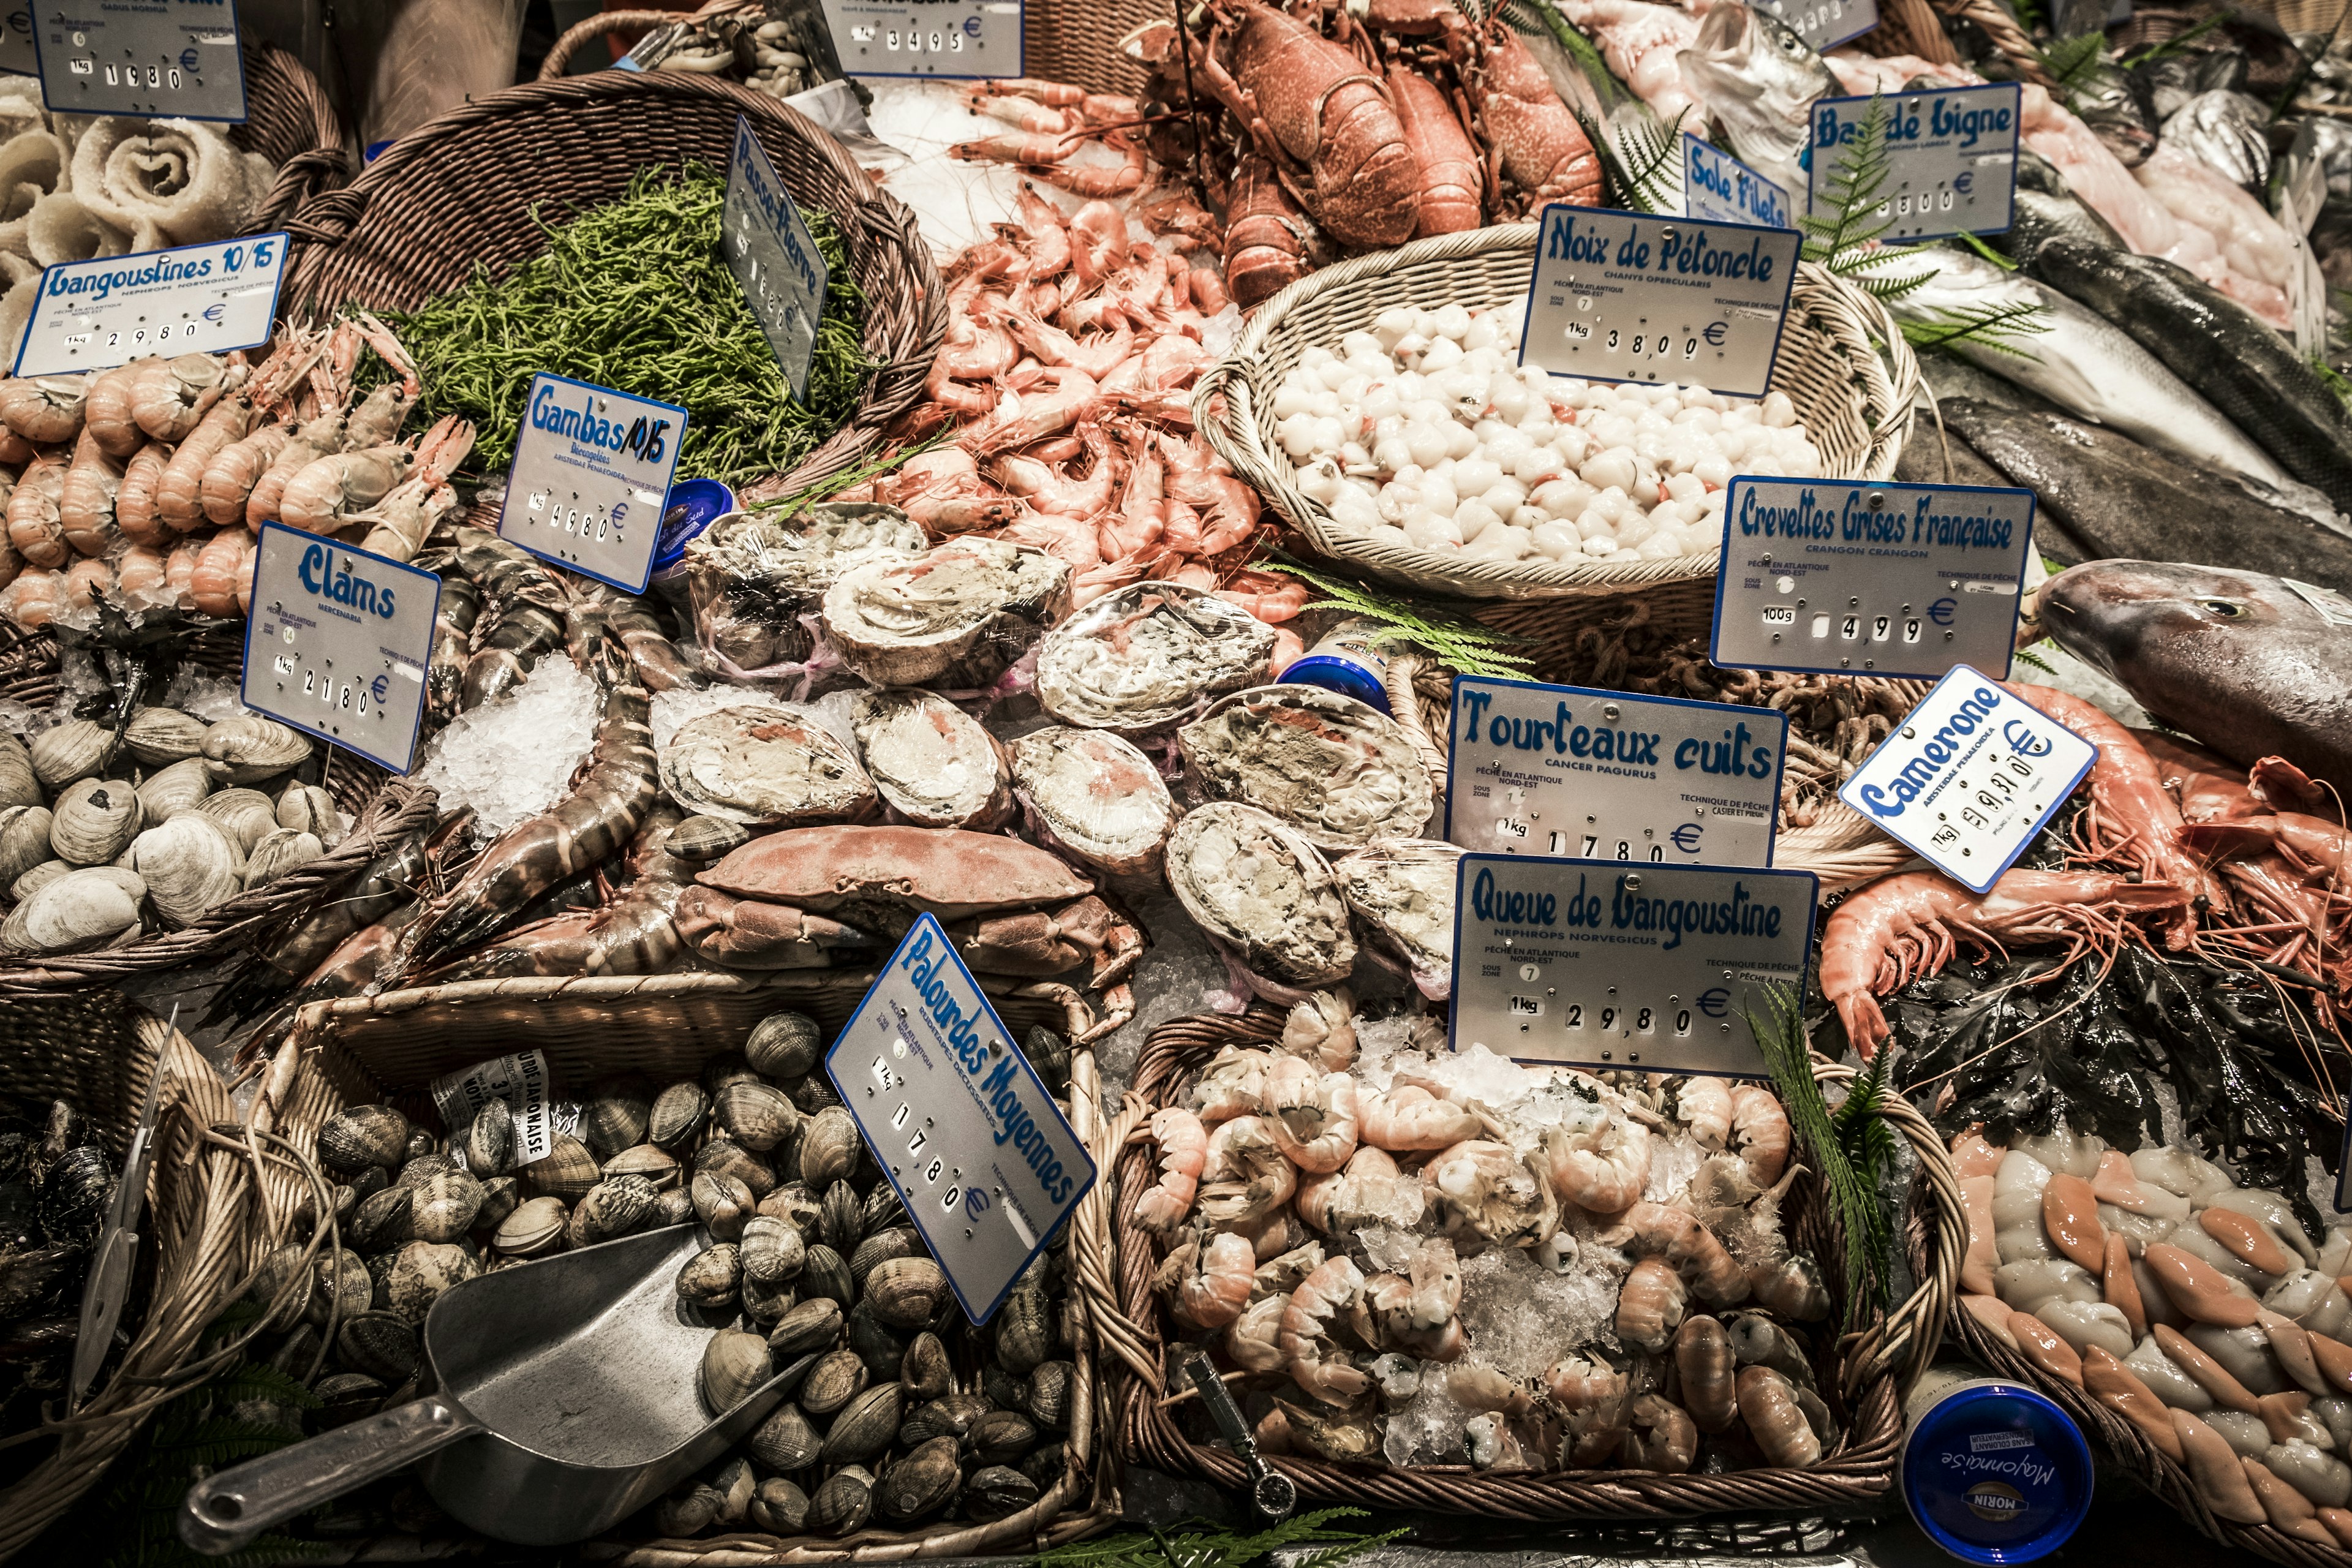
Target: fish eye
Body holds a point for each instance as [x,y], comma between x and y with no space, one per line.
[2222,606]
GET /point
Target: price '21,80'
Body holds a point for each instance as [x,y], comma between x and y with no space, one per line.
[336,695]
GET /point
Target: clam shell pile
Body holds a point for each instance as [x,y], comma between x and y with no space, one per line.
[57,1181]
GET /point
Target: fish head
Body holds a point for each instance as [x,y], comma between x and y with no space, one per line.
[2122,615]
[1757,76]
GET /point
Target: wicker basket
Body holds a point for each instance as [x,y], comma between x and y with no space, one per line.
[389,1047]
[289,120]
[1867,1376]
[201,1232]
[1855,404]
[473,185]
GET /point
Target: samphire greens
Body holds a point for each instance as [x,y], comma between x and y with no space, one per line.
[635,295]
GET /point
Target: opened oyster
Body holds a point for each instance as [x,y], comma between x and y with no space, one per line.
[1148,656]
[1402,889]
[1094,797]
[752,575]
[765,766]
[956,617]
[933,762]
[1342,772]
[1265,896]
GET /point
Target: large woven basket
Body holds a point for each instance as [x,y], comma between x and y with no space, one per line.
[589,1029]
[203,1231]
[473,186]
[289,120]
[1843,361]
[1866,1377]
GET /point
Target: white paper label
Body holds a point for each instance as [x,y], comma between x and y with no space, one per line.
[927,38]
[159,59]
[1620,296]
[774,257]
[1969,777]
[1951,156]
[1824,24]
[1719,186]
[337,642]
[196,298]
[519,1084]
[591,471]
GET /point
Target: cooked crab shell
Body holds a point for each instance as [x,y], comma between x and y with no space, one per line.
[955,617]
[1148,656]
[1402,889]
[858,872]
[1340,771]
[765,766]
[1092,795]
[1266,895]
[933,762]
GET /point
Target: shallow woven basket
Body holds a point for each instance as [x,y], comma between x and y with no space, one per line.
[384,807]
[1842,363]
[289,120]
[1864,1379]
[473,186]
[590,1029]
[200,1233]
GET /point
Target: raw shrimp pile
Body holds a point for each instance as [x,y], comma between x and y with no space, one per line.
[1426,433]
[1436,1259]
[143,488]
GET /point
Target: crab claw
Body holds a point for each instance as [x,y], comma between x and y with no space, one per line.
[1039,942]
[745,934]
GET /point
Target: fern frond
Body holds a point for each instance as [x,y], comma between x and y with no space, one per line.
[1869,1259]
[1853,192]
[1656,153]
[2177,44]
[1618,187]
[1993,327]
[1976,244]
[2027,655]
[1453,641]
[2074,63]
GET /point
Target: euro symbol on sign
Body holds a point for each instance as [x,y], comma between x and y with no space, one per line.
[212,313]
[971,25]
[1715,1002]
[1941,612]
[1962,181]
[188,58]
[1714,334]
[380,688]
[975,1204]
[2023,740]
[1686,837]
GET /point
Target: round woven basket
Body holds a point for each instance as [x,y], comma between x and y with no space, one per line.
[473,186]
[1865,1380]
[289,120]
[1843,361]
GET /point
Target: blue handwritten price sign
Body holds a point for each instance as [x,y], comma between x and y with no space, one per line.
[960,1122]
[1972,775]
[1620,296]
[1610,775]
[1859,577]
[1951,158]
[1719,186]
[157,58]
[193,299]
[774,257]
[337,641]
[1604,966]
[592,472]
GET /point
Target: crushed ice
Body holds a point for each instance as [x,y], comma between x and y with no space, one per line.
[513,757]
[675,710]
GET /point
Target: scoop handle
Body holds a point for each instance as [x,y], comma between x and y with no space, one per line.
[226,1510]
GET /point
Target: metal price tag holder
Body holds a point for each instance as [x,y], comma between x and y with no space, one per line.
[337,642]
[175,58]
[958,1120]
[1720,188]
[1274,1493]
[193,299]
[1862,577]
[1602,965]
[592,472]
[1951,156]
[1620,296]
[1970,777]
[1609,775]
[774,257]
[927,38]
[1824,24]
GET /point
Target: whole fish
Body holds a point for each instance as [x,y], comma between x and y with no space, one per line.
[2121,499]
[1758,79]
[2047,208]
[2244,368]
[2080,361]
[1939,455]
[2228,132]
[2238,659]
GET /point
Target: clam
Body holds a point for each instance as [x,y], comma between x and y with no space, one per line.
[765,1303]
[823,1274]
[1263,892]
[255,748]
[18,786]
[306,808]
[813,1093]
[793,1204]
[35,1274]
[925,1370]
[723,1203]
[501,1195]
[994,1491]
[74,1194]
[487,1144]
[280,852]
[920,1484]
[735,1485]
[933,762]
[773,1250]
[678,1113]
[165,794]
[725,1157]
[785,1440]
[734,1365]
[712,1277]
[1149,654]
[840,1220]
[384,1220]
[950,1415]
[75,911]
[421,1272]
[616,1117]
[381,1344]
[566,1172]
[77,749]
[755,1114]
[1045,1396]
[688,1510]
[1340,771]
[447,1203]
[1049,1053]
[779,1507]
[906,1291]
[882,1210]
[163,737]
[245,814]
[731,1067]
[863,1428]
[830,1145]
[1001,1436]
[675,1208]
[1025,1330]
[610,1210]
[284,1274]
[190,867]
[898,1241]
[340,1287]
[423,1145]
[956,617]
[363,1135]
[811,1325]
[40,876]
[535,1227]
[1402,889]
[784,1046]
[1091,795]
[881,1350]
[94,821]
[767,767]
[703,839]
[841,1504]
[834,1382]
[652,1161]
[23,840]
[420,1168]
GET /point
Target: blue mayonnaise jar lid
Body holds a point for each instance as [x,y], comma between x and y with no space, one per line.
[1991,1471]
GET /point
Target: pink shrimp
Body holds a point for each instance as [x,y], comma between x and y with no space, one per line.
[140,576]
[1184,1150]
[1759,1132]
[31,598]
[1312,1113]
[1214,1285]
[180,570]
[1316,1364]
[1060,94]
[85,580]
[1895,931]
[1649,1305]
[1253,1342]
[86,499]
[219,570]
[1142,514]
[1675,1235]
[1099,231]
[179,497]
[1070,540]
[1247,1175]
[2209,788]
[1409,1117]
[134,499]
[1043,485]
[1322,1029]
[1600,1168]
[1034,117]
[1233,1084]
[1199,478]
[1065,397]
[1096,180]
[1272,599]
[35,525]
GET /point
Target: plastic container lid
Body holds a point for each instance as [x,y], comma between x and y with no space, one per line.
[1343,676]
[693,505]
[1995,1473]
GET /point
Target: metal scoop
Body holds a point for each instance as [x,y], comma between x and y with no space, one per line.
[567,1397]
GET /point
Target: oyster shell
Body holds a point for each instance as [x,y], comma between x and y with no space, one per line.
[94,821]
[1343,773]
[246,814]
[1148,656]
[255,748]
[1265,894]
[1402,889]
[955,617]
[189,865]
[280,852]
[23,840]
[768,766]
[169,791]
[1093,797]
[77,749]
[931,761]
[19,785]
[159,737]
[76,912]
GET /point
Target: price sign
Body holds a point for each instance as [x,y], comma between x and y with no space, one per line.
[1854,577]
[17,57]
[1719,186]
[1970,778]
[591,471]
[958,1120]
[1604,966]
[1952,155]
[159,58]
[927,38]
[1824,24]
[193,298]
[1622,296]
[517,1085]
[337,641]
[1607,775]
[774,257]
